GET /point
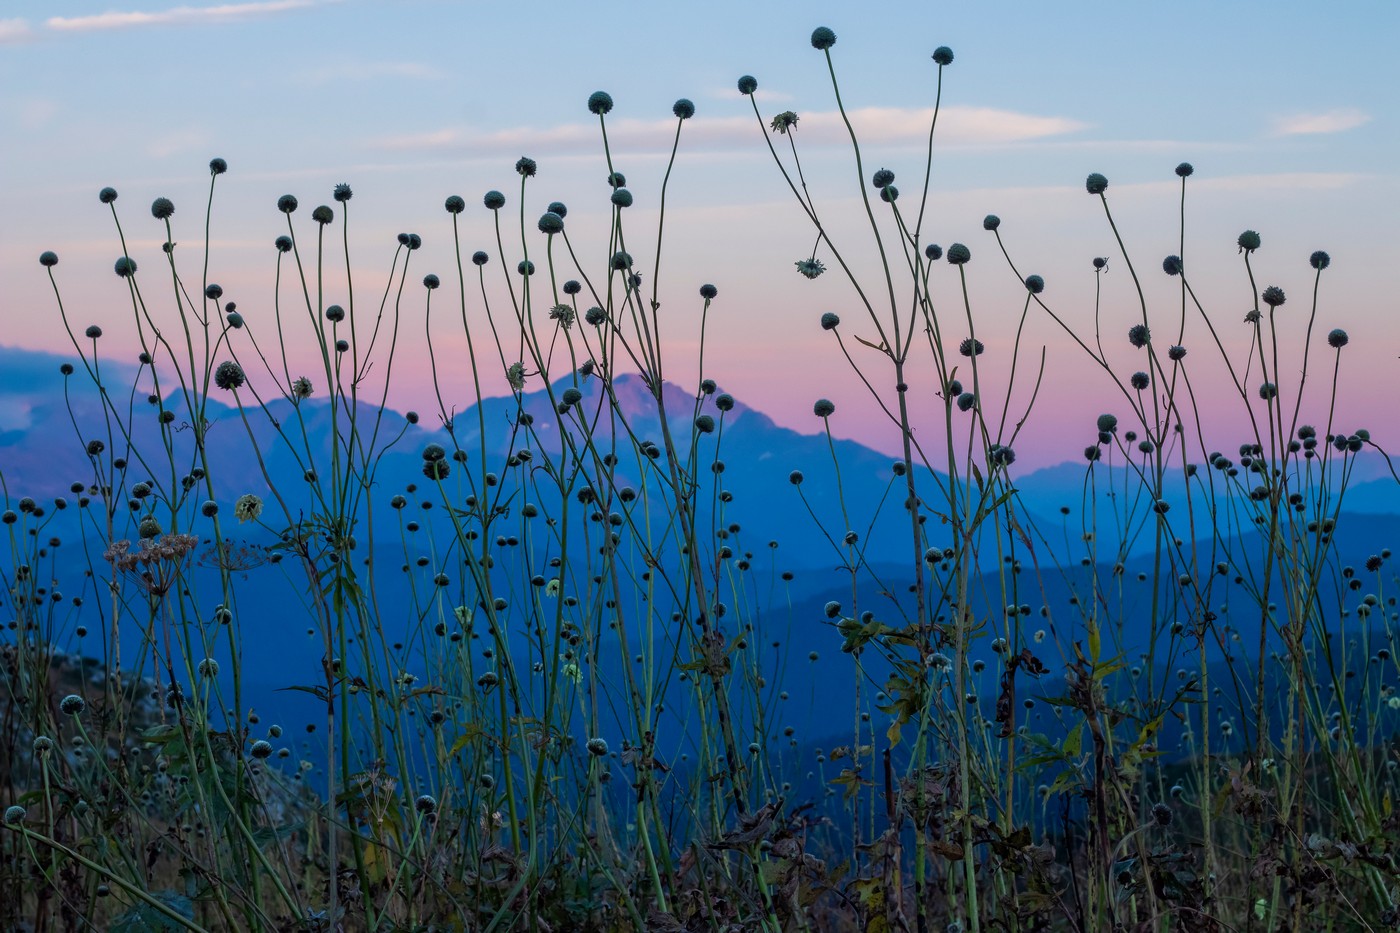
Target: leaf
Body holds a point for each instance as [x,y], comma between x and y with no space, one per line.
[1074,741]
[892,733]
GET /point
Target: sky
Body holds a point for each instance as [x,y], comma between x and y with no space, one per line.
[1286,110]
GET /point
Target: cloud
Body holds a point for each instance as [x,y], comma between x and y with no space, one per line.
[1332,121]
[884,126]
[363,71]
[117,19]
[15,30]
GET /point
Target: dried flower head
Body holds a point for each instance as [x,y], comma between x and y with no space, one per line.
[748,84]
[783,122]
[971,347]
[600,102]
[1139,335]
[125,267]
[229,376]
[810,267]
[1273,296]
[247,508]
[526,167]
[342,193]
[162,208]
[1035,284]
[1319,260]
[709,292]
[323,214]
[958,254]
[943,55]
[830,320]
[1095,183]
[1337,338]
[287,203]
[683,108]
[824,408]
[823,38]
[1248,241]
[107,195]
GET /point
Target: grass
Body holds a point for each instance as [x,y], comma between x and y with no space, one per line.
[562,713]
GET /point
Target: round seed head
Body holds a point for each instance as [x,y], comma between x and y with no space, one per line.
[526,167]
[125,267]
[431,281]
[1248,241]
[748,84]
[934,252]
[72,705]
[480,258]
[683,108]
[323,214]
[342,193]
[943,55]
[708,292]
[1035,284]
[287,203]
[1273,296]
[229,376]
[600,102]
[1336,339]
[823,38]
[1185,169]
[1095,183]
[1172,265]
[48,259]
[622,197]
[958,254]
[107,195]
[162,208]
[830,321]
[1319,260]
[824,408]
[991,222]
[551,223]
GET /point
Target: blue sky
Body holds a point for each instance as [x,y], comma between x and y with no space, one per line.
[1287,110]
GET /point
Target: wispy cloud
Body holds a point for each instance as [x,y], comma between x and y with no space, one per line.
[1332,121]
[15,30]
[884,126]
[365,71]
[120,19]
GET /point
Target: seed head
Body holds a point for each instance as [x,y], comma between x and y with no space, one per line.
[621,260]
[525,267]
[971,347]
[705,424]
[571,396]
[991,222]
[824,408]
[1095,183]
[425,805]
[889,194]
[431,281]
[708,292]
[595,315]
[1172,265]
[1185,169]
[209,508]
[1273,296]
[107,195]
[600,102]
[597,747]
[1268,391]
[830,321]
[283,244]
[1139,335]
[1140,381]
[247,508]
[958,254]
[621,197]
[882,178]
[784,122]
[748,84]
[683,108]
[617,180]
[551,223]
[162,208]
[342,193]
[229,376]
[14,815]
[1176,353]
[125,267]
[934,252]
[810,267]
[1100,263]
[323,214]
[1248,241]
[1319,260]
[966,400]
[572,287]
[1336,339]
[823,38]
[93,332]
[1035,284]
[943,55]
[525,167]
[72,705]
[48,259]
[261,749]
[287,203]
[480,258]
